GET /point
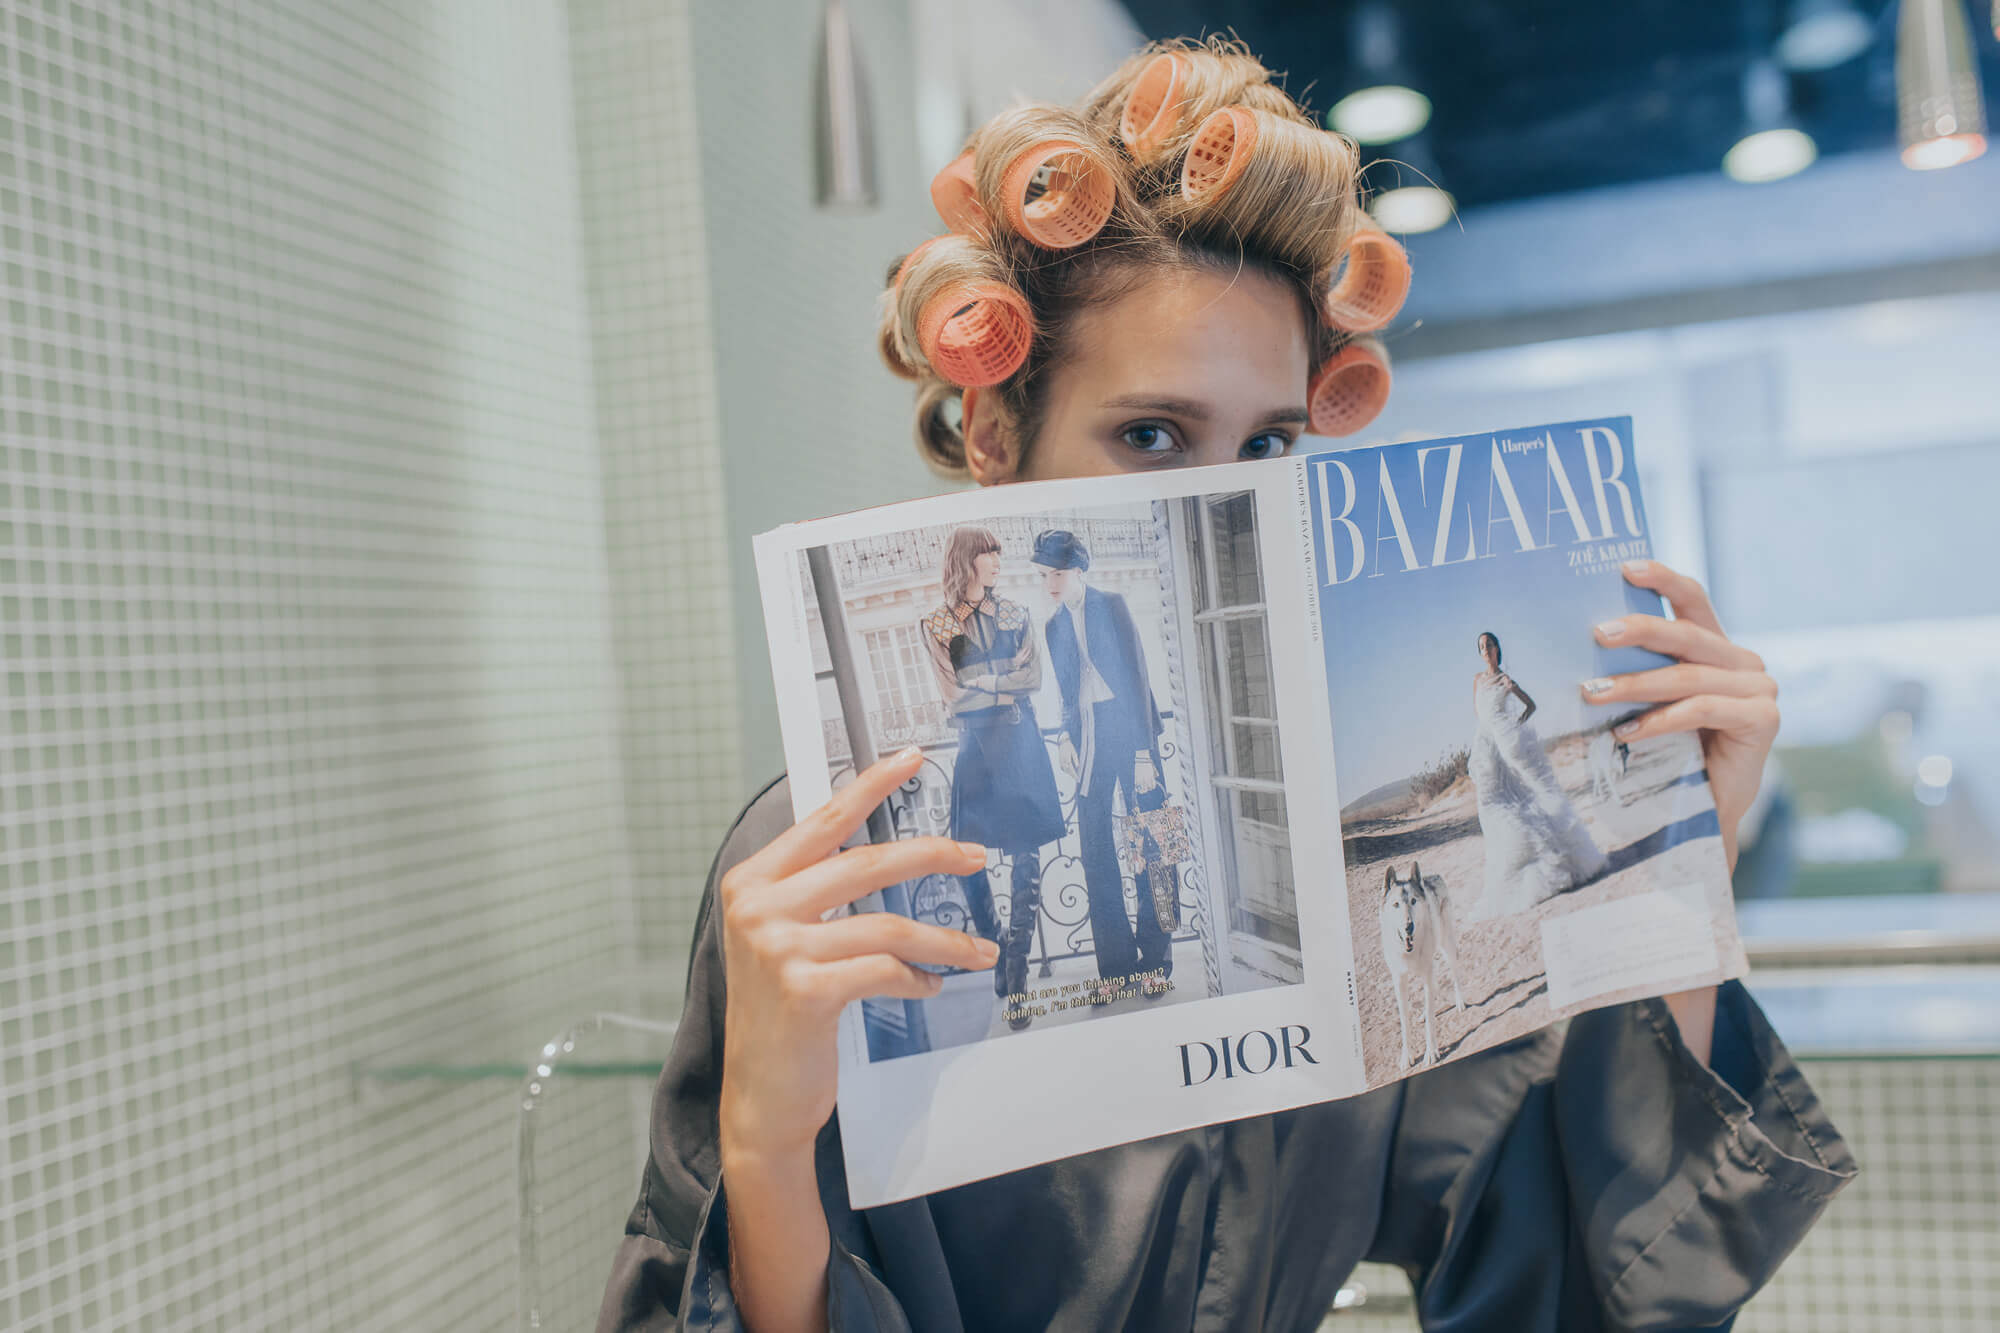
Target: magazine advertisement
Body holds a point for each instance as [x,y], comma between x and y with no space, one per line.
[1286,774]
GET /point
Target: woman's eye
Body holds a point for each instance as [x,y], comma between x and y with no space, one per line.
[1266,446]
[1149,438]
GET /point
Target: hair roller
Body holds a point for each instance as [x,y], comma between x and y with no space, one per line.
[956,197]
[1350,389]
[1223,145]
[1152,110]
[975,334]
[1076,197]
[1374,283]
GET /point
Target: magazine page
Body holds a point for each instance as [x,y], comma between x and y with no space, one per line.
[1096,670]
[1509,860]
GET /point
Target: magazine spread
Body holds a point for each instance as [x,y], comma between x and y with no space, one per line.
[1149,695]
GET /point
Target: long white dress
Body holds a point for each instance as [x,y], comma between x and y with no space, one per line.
[1536,844]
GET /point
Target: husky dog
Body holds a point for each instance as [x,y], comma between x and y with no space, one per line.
[1609,759]
[1417,930]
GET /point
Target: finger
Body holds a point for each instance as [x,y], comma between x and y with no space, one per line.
[1753,719]
[1678,682]
[1688,598]
[821,832]
[838,880]
[1688,640]
[900,937]
[848,979]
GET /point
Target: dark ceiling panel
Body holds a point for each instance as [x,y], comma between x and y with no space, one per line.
[1537,97]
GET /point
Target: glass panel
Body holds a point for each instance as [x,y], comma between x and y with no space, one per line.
[1248,658]
[1197,554]
[1264,859]
[1235,530]
[1254,749]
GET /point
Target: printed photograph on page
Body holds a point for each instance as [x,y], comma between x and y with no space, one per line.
[1092,689]
[1509,859]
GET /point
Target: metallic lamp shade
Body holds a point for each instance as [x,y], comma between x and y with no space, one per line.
[843,130]
[1939,113]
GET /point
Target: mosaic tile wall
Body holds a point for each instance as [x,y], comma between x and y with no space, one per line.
[311,723]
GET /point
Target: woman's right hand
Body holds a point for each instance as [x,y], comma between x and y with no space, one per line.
[788,973]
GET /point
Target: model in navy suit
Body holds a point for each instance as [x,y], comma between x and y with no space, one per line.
[1111,735]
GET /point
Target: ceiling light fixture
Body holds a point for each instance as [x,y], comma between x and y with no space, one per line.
[1386,108]
[1940,115]
[1820,34]
[843,140]
[1415,202]
[1773,146]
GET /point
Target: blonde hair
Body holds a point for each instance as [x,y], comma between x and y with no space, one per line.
[1288,210]
[966,545]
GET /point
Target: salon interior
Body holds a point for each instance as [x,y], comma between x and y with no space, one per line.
[391,393]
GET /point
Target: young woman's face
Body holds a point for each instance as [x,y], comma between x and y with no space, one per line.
[1488,652]
[1058,583]
[1192,368]
[986,568]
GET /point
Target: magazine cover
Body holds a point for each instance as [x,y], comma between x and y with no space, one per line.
[1509,860]
[1148,696]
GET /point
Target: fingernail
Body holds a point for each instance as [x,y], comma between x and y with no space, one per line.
[908,752]
[1626,728]
[1638,566]
[988,950]
[973,849]
[1597,685]
[1611,629]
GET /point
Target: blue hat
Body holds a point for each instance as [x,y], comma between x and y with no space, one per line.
[1058,549]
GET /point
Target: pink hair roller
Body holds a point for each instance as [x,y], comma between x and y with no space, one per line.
[956,198]
[975,333]
[1221,148]
[1373,285]
[1153,108]
[1075,202]
[1350,390]
[910,259]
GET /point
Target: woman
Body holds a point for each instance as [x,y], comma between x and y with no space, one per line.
[1647,1167]
[1003,791]
[1536,842]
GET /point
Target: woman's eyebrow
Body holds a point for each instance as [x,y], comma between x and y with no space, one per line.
[1199,411]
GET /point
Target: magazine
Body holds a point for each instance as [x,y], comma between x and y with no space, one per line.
[1148,696]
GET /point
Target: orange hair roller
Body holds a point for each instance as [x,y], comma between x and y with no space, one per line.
[1153,108]
[911,258]
[1374,284]
[956,198]
[1075,202]
[1350,390]
[1221,148]
[975,333]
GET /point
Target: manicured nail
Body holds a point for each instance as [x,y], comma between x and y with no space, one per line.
[1626,728]
[1638,566]
[973,849]
[988,950]
[1597,685]
[907,753]
[1611,629]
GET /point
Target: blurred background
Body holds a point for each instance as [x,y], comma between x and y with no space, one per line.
[388,394]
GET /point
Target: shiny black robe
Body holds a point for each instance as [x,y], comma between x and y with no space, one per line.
[1582,1179]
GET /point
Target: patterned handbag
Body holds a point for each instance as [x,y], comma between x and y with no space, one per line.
[1155,835]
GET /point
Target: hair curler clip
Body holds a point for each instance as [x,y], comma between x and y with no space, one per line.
[1350,390]
[1076,196]
[1221,148]
[975,333]
[956,197]
[1373,284]
[1153,108]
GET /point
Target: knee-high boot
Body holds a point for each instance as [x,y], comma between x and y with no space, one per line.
[1027,906]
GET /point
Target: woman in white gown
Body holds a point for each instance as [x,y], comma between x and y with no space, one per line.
[1536,844]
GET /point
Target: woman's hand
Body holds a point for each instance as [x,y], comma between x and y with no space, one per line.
[1718,689]
[788,973]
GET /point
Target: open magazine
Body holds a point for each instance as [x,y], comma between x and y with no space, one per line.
[1288,781]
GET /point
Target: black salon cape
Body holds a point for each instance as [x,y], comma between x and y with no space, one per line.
[1594,1180]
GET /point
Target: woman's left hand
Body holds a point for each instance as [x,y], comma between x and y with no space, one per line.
[1718,689]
